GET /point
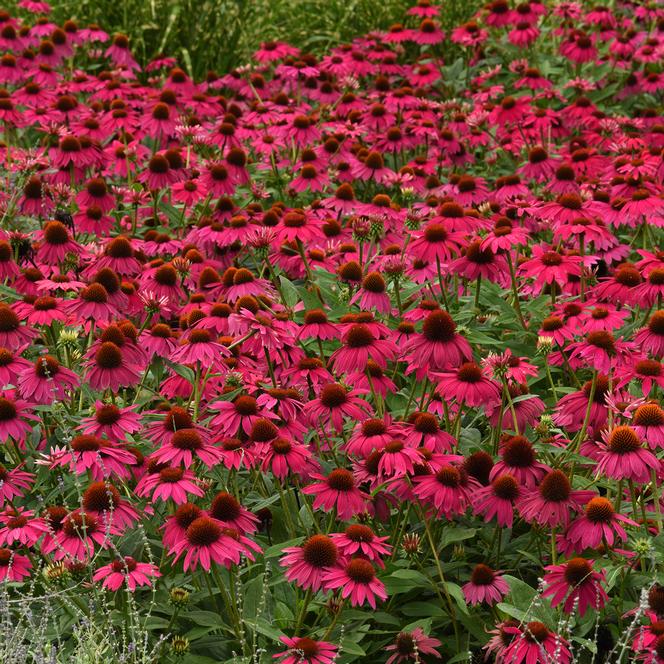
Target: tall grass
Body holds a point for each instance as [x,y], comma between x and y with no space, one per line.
[222,34]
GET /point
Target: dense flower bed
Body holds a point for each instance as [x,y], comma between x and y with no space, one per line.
[340,358]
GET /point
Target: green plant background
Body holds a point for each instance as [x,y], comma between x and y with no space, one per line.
[219,35]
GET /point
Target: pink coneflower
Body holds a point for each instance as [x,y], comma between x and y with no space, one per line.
[12,483]
[601,351]
[158,173]
[449,490]
[486,586]
[238,415]
[20,526]
[96,194]
[111,421]
[110,369]
[235,453]
[335,402]
[175,527]
[13,416]
[56,243]
[281,455]
[8,268]
[103,501]
[646,372]
[648,423]
[359,539]
[297,225]
[13,566]
[469,34]
[11,366]
[357,580]
[79,534]
[372,167]
[127,570]
[428,32]
[169,483]
[372,294]
[540,166]
[119,256]
[13,335]
[183,446]
[359,346]
[47,381]
[436,242]
[337,491]
[398,459]
[99,456]
[162,282]
[623,456]
[306,565]
[227,509]
[200,347]
[651,290]
[523,35]
[120,54]
[604,317]
[438,347]
[620,287]
[497,500]
[309,177]
[468,386]
[518,458]
[92,306]
[571,409]
[552,501]
[478,262]
[651,338]
[302,130]
[423,430]
[599,523]
[411,646]
[370,435]
[534,641]
[303,650]
[573,581]
[245,283]
[526,407]
[269,51]
[45,310]
[548,267]
[207,542]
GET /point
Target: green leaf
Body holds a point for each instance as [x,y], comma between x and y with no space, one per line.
[277,549]
[457,595]
[184,372]
[351,648]
[415,609]
[290,292]
[266,629]
[403,580]
[455,534]
[204,618]
[511,611]
[523,596]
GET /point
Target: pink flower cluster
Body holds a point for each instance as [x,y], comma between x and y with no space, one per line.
[349,307]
